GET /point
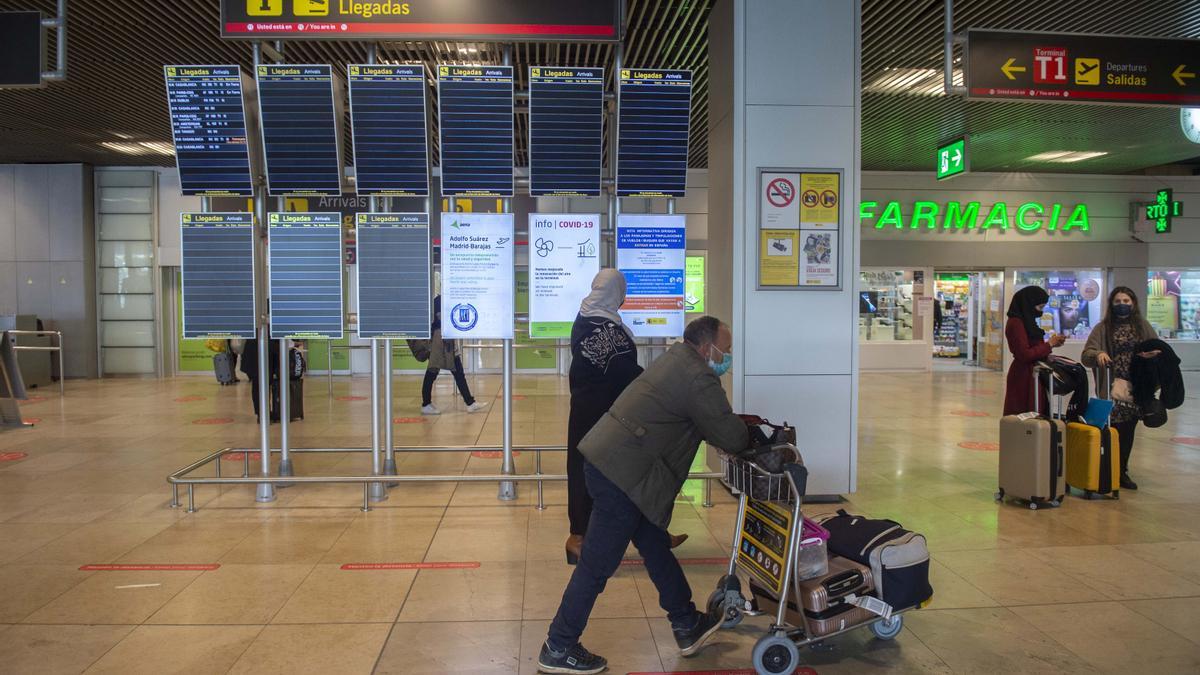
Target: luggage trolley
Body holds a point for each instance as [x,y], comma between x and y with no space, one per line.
[769,510]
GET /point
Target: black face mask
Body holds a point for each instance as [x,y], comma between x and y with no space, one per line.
[1122,311]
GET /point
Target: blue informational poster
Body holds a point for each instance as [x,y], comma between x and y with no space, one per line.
[651,252]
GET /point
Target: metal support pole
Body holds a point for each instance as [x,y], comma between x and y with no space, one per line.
[59,24]
[537,458]
[508,489]
[191,499]
[948,41]
[389,444]
[376,491]
[265,491]
[175,496]
[366,497]
[708,502]
[285,414]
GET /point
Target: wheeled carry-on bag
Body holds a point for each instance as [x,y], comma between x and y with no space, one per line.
[223,367]
[1031,454]
[1093,463]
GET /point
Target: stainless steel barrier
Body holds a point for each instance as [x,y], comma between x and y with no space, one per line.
[57,347]
[182,477]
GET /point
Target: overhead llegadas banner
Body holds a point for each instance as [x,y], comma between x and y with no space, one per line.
[467,20]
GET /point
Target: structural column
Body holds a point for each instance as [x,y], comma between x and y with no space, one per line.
[784,93]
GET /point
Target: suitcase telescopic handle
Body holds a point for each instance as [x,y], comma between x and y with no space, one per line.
[1040,369]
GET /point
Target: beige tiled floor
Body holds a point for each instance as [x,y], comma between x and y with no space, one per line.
[1102,586]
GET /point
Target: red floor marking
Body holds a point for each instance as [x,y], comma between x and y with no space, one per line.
[637,562]
[736,671]
[34,399]
[190,399]
[1186,440]
[981,392]
[149,568]
[515,397]
[492,454]
[408,420]
[412,566]
[32,420]
[12,456]
[352,398]
[214,420]
[970,413]
[233,456]
[980,445]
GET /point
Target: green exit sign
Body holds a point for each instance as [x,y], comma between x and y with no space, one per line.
[952,159]
[1162,210]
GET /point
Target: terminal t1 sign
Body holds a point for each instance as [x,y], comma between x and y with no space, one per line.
[1085,68]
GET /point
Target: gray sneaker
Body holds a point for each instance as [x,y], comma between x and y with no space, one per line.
[572,661]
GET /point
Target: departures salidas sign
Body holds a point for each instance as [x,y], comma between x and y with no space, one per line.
[967,216]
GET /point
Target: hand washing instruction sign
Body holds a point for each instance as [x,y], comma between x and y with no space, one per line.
[651,255]
[564,257]
[477,275]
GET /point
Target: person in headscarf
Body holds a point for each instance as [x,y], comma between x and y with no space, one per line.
[603,363]
[1028,344]
[444,354]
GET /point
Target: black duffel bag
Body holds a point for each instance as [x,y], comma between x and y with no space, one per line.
[898,558]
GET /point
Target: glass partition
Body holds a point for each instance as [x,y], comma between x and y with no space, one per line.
[885,305]
[1076,299]
[1173,303]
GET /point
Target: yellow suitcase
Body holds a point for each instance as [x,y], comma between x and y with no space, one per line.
[1093,460]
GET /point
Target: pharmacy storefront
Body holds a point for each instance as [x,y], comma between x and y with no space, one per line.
[941,262]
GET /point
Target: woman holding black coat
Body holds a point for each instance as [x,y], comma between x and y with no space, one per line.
[1112,344]
[603,363]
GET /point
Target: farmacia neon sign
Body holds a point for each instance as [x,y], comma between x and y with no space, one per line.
[1028,217]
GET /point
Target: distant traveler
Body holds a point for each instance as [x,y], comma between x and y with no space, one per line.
[603,363]
[444,354]
[1028,344]
[1112,345]
[637,458]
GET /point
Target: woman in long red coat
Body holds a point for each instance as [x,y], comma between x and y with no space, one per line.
[1028,344]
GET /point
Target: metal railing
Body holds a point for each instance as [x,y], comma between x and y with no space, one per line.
[58,347]
[182,477]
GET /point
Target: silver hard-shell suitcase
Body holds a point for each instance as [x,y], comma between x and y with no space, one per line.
[1031,455]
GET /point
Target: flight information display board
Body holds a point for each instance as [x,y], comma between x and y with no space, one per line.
[217,260]
[475,122]
[305,251]
[566,131]
[300,130]
[387,126]
[652,137]
[393,275]
[208,125]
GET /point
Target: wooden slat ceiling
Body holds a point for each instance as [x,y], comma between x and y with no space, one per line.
[114,92]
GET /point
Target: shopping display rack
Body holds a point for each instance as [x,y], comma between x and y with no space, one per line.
[777,496]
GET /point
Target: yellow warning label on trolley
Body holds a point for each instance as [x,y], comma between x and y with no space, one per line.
[765,531]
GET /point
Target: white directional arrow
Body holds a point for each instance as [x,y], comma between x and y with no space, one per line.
[957,156]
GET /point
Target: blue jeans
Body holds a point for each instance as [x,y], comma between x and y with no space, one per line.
[615,522]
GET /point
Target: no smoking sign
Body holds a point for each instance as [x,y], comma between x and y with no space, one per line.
[781,192]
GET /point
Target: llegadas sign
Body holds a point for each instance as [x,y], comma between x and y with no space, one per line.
[1027,217]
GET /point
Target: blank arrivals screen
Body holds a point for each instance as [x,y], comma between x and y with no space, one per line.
[387,120]
[305,275]
[566,131]
[217,260]
[208,125]
[475,118]
[299,126]
[393,275]
[652,140]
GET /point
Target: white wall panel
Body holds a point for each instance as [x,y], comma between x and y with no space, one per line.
[8,231]
[31,194]
[65,212]
[33,289]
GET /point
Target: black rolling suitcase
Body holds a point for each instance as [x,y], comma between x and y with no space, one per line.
[223,367]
